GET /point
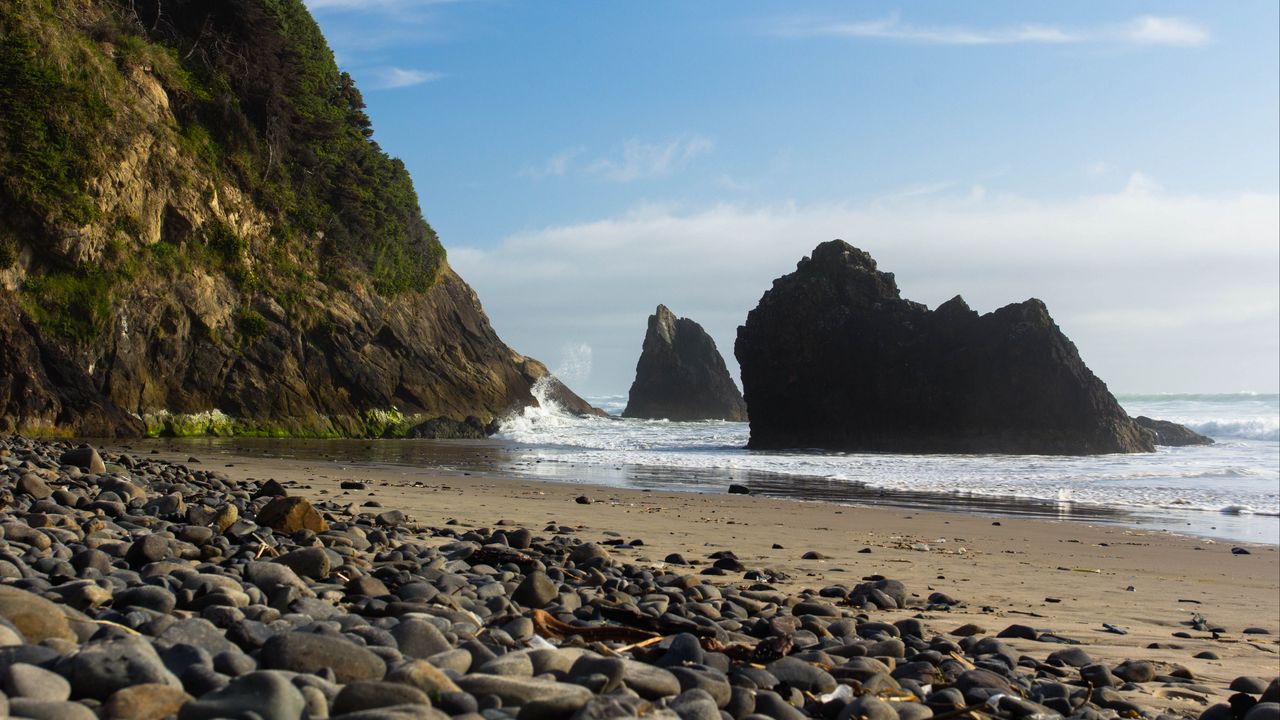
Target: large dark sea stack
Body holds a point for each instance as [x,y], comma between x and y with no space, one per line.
[199,234]
[834,358]
[681,375]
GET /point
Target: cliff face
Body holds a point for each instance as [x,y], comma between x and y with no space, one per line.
[681,375]
[198,230]
[833,357]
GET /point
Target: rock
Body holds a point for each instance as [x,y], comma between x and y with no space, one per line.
[736,489]
[365,695]
[443,428]
[104,666]
[1171,433]
[36,618]
[802,675]
[49,710]
[834,358]
[35,683]
[419,639]
[695,704]
[310,562]
[519,691]
[291,514]
[649,682]
[1263,711]
[304,652]
[396,712]
[271,488]
[31,485]
[424,676]
[151,597]
[1098,675]
[536,590]
[145,702]
[268,694]
[1135,671]
[86,458]
[1074,657]
[681,375]
[712,682]
[1249,684]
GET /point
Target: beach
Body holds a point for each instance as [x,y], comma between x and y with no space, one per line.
[1068,578]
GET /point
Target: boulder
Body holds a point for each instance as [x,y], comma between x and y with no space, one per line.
[291,514]
[833,357]
[681,375]
[1171,433]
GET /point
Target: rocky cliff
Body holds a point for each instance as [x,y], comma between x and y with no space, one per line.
[199,234]
[681,375]
[833,357]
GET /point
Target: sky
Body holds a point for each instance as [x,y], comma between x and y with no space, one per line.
[585,161]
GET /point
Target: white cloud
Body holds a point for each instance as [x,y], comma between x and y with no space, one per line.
[1098,168]
[1160,292]
[390,78]
[1145,30]
[636,159]
[1151,30]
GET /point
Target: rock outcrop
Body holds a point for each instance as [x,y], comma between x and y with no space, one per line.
[833,357]
[681,375]
[1171,433]
[191,247]
[43,391]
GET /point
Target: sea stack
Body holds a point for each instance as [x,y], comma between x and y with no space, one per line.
[681,375]
[833,357]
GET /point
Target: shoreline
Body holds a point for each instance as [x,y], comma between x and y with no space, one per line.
[1067,577]
[502,459]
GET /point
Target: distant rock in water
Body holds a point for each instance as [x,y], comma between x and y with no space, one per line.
[833,357]
[681,375]
[1171,433]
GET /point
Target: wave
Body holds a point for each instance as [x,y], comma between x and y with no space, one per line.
[1248,429]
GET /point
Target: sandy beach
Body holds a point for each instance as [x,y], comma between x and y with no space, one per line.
[1065,577]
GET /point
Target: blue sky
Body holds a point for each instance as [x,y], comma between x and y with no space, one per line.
[584,161]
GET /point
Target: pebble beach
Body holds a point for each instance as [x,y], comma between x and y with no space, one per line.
[136,583]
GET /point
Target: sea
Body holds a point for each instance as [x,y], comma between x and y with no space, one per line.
[1228,490]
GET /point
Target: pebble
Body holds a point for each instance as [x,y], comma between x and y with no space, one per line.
[309,653]
[144,589]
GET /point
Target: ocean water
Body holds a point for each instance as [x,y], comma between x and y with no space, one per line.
[1228,490]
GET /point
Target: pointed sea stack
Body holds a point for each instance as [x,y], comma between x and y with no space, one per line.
[834,358]
[681,375]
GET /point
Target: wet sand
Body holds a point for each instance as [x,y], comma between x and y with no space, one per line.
[1068,577]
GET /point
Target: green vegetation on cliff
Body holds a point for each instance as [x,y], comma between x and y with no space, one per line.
[253,100]
[198,235]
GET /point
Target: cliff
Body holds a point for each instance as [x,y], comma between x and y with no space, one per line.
[833,357]
[681,375]
[199,231]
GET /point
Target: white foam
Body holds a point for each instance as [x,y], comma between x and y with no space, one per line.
[1233,475]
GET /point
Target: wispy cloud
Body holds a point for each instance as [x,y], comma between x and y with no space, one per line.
[390,77]
[557,165]
[635,159]
[638,159]
[1144,30]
